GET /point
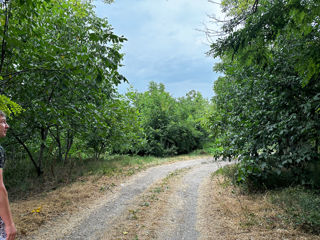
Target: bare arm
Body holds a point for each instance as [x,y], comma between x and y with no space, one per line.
[5,212]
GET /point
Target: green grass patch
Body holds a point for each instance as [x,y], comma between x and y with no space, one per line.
[229,174]
[21,179]
[301,207]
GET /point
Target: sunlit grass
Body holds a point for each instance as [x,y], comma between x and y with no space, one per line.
[58,174]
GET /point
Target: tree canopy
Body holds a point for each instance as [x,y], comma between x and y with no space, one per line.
[267,102]
[60,63]
[170,126]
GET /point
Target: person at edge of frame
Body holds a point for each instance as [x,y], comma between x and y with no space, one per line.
[7,228]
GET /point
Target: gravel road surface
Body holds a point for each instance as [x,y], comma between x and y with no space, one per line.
[183,217]
[95,220]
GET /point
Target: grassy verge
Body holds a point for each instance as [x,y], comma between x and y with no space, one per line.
[301,207]
[57,175]
[293,207]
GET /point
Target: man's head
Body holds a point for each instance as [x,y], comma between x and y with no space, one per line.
[3,124]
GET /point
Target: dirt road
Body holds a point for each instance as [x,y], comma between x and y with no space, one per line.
[167,202]
[158,203]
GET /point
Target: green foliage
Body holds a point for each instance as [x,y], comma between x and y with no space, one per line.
[170,126]
[62,68]
[59,63]
[8,106]
[301,207]
[266,104]
[263,23]
[121,131]
[214,148]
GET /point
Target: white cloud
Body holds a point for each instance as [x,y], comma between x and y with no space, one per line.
[165,26]
[178,89]
[164,40]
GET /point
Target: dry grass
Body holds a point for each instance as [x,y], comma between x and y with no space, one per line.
[226,213]
[30,214]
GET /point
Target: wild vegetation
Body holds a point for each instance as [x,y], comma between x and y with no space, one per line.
[293,208]
[267,102]
[59,72]
[59,67]
[170,126]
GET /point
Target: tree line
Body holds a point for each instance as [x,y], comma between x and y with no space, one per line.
[60,67]
[59,73]
[267,102]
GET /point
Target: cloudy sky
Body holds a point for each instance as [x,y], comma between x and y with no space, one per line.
[164,44]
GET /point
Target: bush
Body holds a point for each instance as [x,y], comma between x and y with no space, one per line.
[214,148]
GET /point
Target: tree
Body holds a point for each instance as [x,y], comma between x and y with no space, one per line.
[171,126]
[6,104]
[62,73]
[268,99]
[258,26]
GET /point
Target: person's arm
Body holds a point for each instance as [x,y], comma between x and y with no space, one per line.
[5,212]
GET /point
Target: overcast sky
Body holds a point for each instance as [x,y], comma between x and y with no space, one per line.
[164,43]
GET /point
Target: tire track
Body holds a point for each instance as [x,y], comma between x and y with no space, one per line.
[182,208]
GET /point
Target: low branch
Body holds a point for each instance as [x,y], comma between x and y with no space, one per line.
[38,169]
[255,6]
[216,20]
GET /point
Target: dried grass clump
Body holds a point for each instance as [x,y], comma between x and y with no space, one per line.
[228,213]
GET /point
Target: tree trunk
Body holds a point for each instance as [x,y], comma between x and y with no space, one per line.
[5,33]
[44,134]
[58,140]
[69,142]
[38,168]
